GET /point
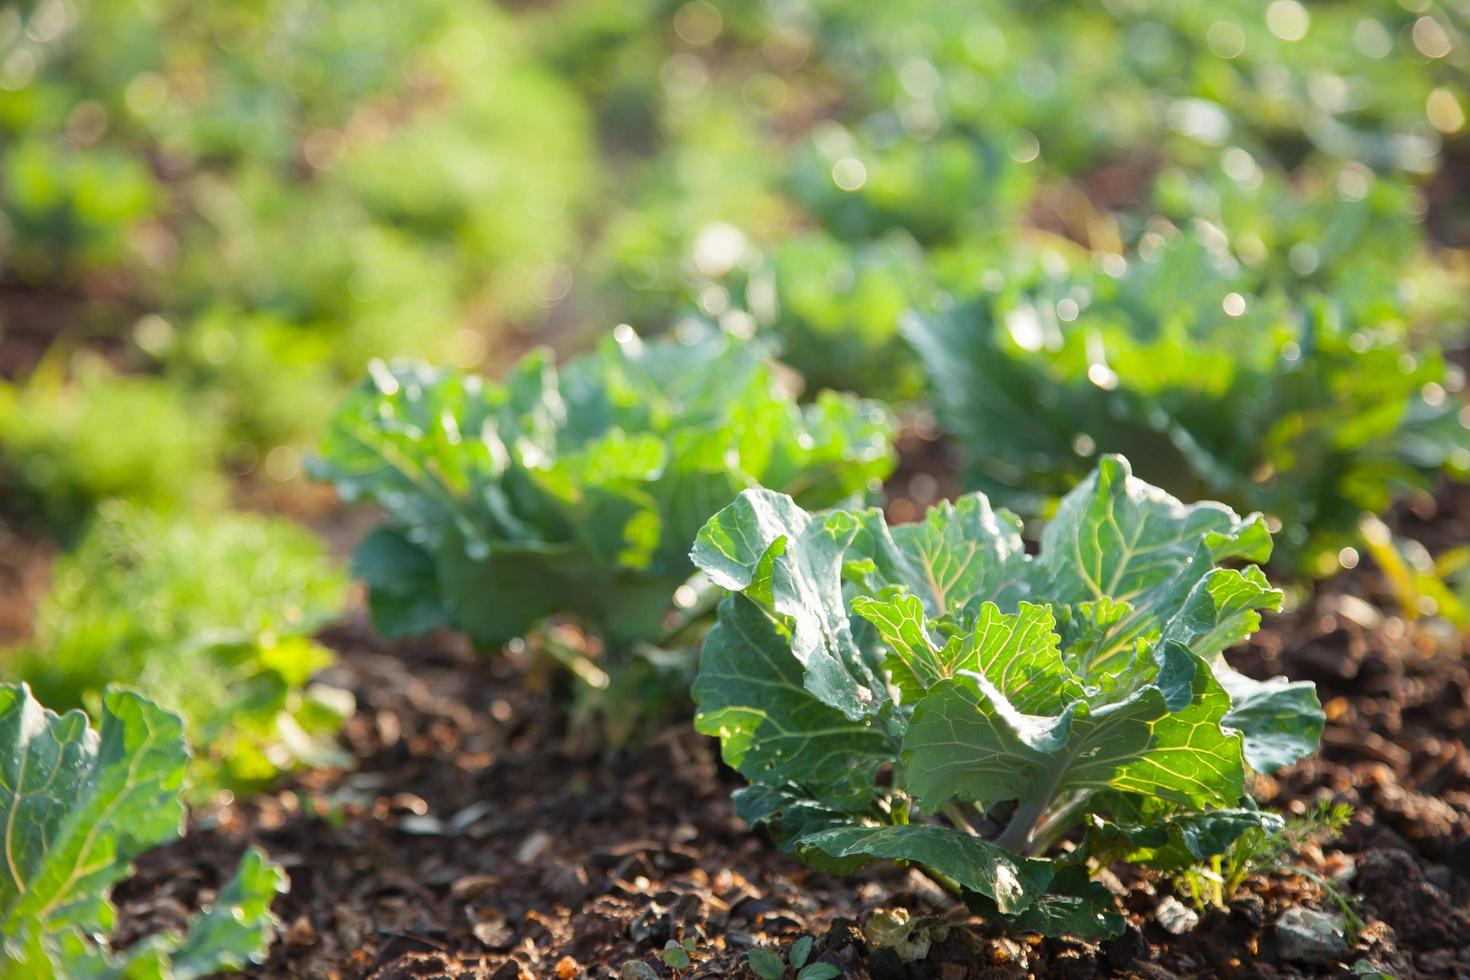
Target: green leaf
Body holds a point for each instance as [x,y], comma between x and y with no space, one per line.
[791,563]
[941,651]
[750,694]
[819,971]
[766,964]
[1010,881]
[1307,406]
[1116,538]
[77,806]
[1281,721]
[1019,653]
[789,813]
[675,955]
[967,740]
[1222,609]
[795,565]
[1152,832]
[407,597]
[237,928]
[959,550]
[1073,905]
[800,950]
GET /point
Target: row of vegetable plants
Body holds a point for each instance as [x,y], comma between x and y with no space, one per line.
[1007,697]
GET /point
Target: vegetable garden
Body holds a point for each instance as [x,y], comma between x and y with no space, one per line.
[685,488]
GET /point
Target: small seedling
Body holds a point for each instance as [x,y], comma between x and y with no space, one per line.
[679,954]
[769,965]
[1256,852]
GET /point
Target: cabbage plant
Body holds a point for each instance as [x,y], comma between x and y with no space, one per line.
[1295,409]
[934,694]
[576,490]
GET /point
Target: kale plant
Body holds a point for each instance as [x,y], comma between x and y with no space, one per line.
[577,490]
[1215,389]
[76,806]
[872,681]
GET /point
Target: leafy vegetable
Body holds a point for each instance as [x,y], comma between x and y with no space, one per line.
[1291,410]
[78,804]
[1013,695]
[212,617]
[577,490]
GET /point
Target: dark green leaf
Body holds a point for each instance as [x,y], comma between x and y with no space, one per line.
[766,964]
[1073,905]
[1011,882]
[819,971]
[800,950]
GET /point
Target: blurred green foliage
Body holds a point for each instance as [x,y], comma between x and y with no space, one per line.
[1305,133]
[314,183]
[1302,408]
[66,446]
[213,617]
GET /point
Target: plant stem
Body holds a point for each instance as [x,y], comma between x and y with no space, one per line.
[956,815]
[941,879]
[577,662]
[1017,835]
[1058,823]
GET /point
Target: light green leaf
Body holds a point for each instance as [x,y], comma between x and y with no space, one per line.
[1119,539]
[749,693]
[1017,652]
[791,563]
[1222,609]
[959,551]
[967,740]
[77,805]
[795,564]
